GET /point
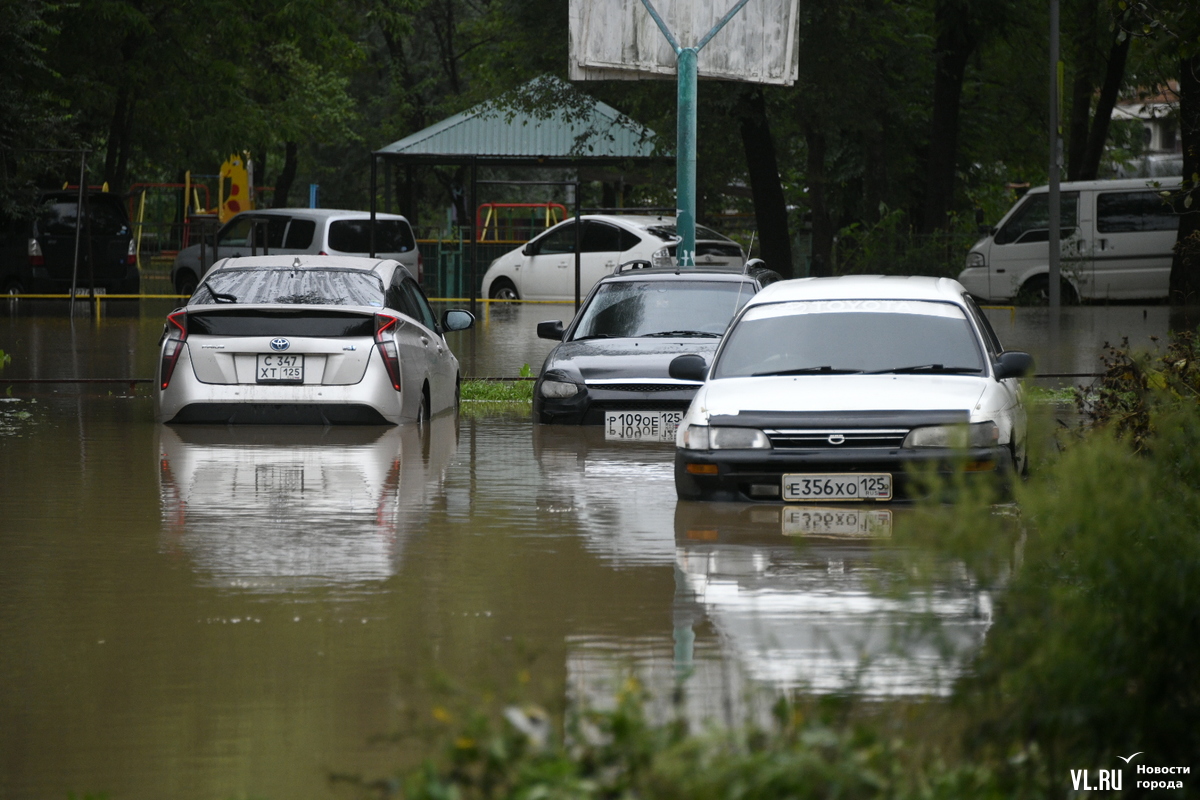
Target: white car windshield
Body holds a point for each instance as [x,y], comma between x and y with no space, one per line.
[662,308]
[851,336]
[288,286]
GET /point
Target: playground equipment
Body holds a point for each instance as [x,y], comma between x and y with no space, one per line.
[233,190]
[516,222]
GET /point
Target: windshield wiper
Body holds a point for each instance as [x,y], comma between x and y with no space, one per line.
[826,370]
[924,368]
[220,297]
[682,334]
[597,336]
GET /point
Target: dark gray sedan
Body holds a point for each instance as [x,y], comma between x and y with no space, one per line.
[611,367]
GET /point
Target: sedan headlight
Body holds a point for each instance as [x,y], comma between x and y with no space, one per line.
[705,437]
[976,260]
[960,437]
[559,389]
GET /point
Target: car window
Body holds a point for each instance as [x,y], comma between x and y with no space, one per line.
[600,237]
[1031,222]
[650,308]
[300,234]
[558,241]
[236,232]
[852,336]
[1125,212]
[284,285]
[629,240]
[354,236]
[424,313]
[989,333]
[57,217]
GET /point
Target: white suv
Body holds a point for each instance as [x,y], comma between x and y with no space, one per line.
[299,231]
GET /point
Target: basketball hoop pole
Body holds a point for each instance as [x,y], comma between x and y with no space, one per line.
[687,77]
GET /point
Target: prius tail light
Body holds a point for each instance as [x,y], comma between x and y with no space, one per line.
[175,336]
[385,326]
[36,259]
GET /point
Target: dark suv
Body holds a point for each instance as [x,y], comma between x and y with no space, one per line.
[37,254]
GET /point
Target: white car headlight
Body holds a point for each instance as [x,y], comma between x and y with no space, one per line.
[703,437]
[976,260]
[960,437]
[559,389]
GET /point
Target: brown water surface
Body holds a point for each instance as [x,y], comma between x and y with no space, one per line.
[213,612]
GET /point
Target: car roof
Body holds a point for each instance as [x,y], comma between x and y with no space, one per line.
[643,222]
[1121,183]
[863,287]
[306,262]
[671,274]
[318,213]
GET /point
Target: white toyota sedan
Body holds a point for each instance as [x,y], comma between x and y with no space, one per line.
[307,340]
[544,268]
[828,389]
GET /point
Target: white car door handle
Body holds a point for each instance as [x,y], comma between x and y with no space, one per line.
[425,341]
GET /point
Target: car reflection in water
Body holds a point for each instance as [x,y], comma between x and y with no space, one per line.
[801,596]
[284,508]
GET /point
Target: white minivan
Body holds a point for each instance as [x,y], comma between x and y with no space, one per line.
[1117,240]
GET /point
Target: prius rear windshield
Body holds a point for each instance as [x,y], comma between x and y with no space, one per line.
[288,286]
[849,336]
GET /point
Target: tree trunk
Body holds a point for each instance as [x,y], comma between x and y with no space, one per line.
[822,223]
[770,208]
[116,131]
[1083,87]
[955,43]
[1185,265]
[1114,75]
[287,176]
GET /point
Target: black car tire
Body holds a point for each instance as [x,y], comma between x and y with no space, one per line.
[14,287]
[1036,292]
[503,289]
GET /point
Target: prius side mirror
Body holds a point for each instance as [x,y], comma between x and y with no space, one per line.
[1013,364]
[456,319]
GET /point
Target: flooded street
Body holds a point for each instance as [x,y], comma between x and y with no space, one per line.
[217,612]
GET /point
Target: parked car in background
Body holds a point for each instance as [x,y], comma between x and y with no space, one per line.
[307,339]
[299,231]
[829,389]
[544,268]
[1117,239]
[38,251]
[611,366]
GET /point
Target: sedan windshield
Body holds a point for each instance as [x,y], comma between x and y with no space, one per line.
[287,286]
[662,308]
[851,336]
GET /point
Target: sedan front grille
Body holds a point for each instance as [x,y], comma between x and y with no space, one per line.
[642,387]
[808,439]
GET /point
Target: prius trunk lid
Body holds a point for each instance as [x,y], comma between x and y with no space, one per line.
[328,346]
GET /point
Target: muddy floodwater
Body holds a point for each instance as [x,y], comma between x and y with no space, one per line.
[215,612]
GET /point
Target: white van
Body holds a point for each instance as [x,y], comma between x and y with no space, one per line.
[1117,241]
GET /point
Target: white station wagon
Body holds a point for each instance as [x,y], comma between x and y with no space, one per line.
[827,389]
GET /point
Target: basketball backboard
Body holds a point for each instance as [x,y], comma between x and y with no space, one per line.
[618,40]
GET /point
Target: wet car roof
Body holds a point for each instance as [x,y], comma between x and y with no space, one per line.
[863,287]
[305,262]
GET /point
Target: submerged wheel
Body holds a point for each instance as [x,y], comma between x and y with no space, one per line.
[423,410]
[14,287]
[1036,292]
[185,283]
[503,289]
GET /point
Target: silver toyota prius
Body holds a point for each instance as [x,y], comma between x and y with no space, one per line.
[307,340]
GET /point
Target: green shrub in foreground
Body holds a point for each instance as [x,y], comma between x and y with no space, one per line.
[1096,647]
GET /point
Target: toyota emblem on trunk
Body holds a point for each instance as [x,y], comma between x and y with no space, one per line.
[836,438]
[280,344]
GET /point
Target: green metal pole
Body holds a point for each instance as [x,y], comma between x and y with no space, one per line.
[685,159]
